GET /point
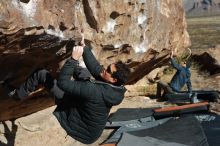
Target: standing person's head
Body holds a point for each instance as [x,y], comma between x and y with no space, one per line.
[186,63]
[183,63]
[116,73]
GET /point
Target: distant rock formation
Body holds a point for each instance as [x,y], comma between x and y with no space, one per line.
[195,8]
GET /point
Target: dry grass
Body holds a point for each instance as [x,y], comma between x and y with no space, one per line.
[204,32]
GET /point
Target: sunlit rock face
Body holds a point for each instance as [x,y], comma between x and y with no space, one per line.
[34,33]
[122,29]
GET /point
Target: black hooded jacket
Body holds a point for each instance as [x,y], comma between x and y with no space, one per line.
[84,110]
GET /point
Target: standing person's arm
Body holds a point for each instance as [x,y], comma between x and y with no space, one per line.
[174,63]
[91,63]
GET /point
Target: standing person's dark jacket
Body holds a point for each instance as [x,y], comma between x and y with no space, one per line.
[85,107]
[181,77]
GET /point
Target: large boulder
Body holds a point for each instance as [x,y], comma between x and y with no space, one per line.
[34,33]
[133,31]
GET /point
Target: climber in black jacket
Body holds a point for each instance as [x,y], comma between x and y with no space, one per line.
[85,119]
[83,104]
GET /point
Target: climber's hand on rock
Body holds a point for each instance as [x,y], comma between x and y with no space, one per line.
[77,52]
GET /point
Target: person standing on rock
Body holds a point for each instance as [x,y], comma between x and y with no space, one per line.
[180,78]
[83,104]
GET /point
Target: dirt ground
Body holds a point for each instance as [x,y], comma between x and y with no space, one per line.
[42,128]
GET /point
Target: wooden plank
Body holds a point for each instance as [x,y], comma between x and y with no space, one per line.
[173,108]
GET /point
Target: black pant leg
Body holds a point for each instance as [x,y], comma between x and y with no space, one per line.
[165,87]
[158,90]
[39,77]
